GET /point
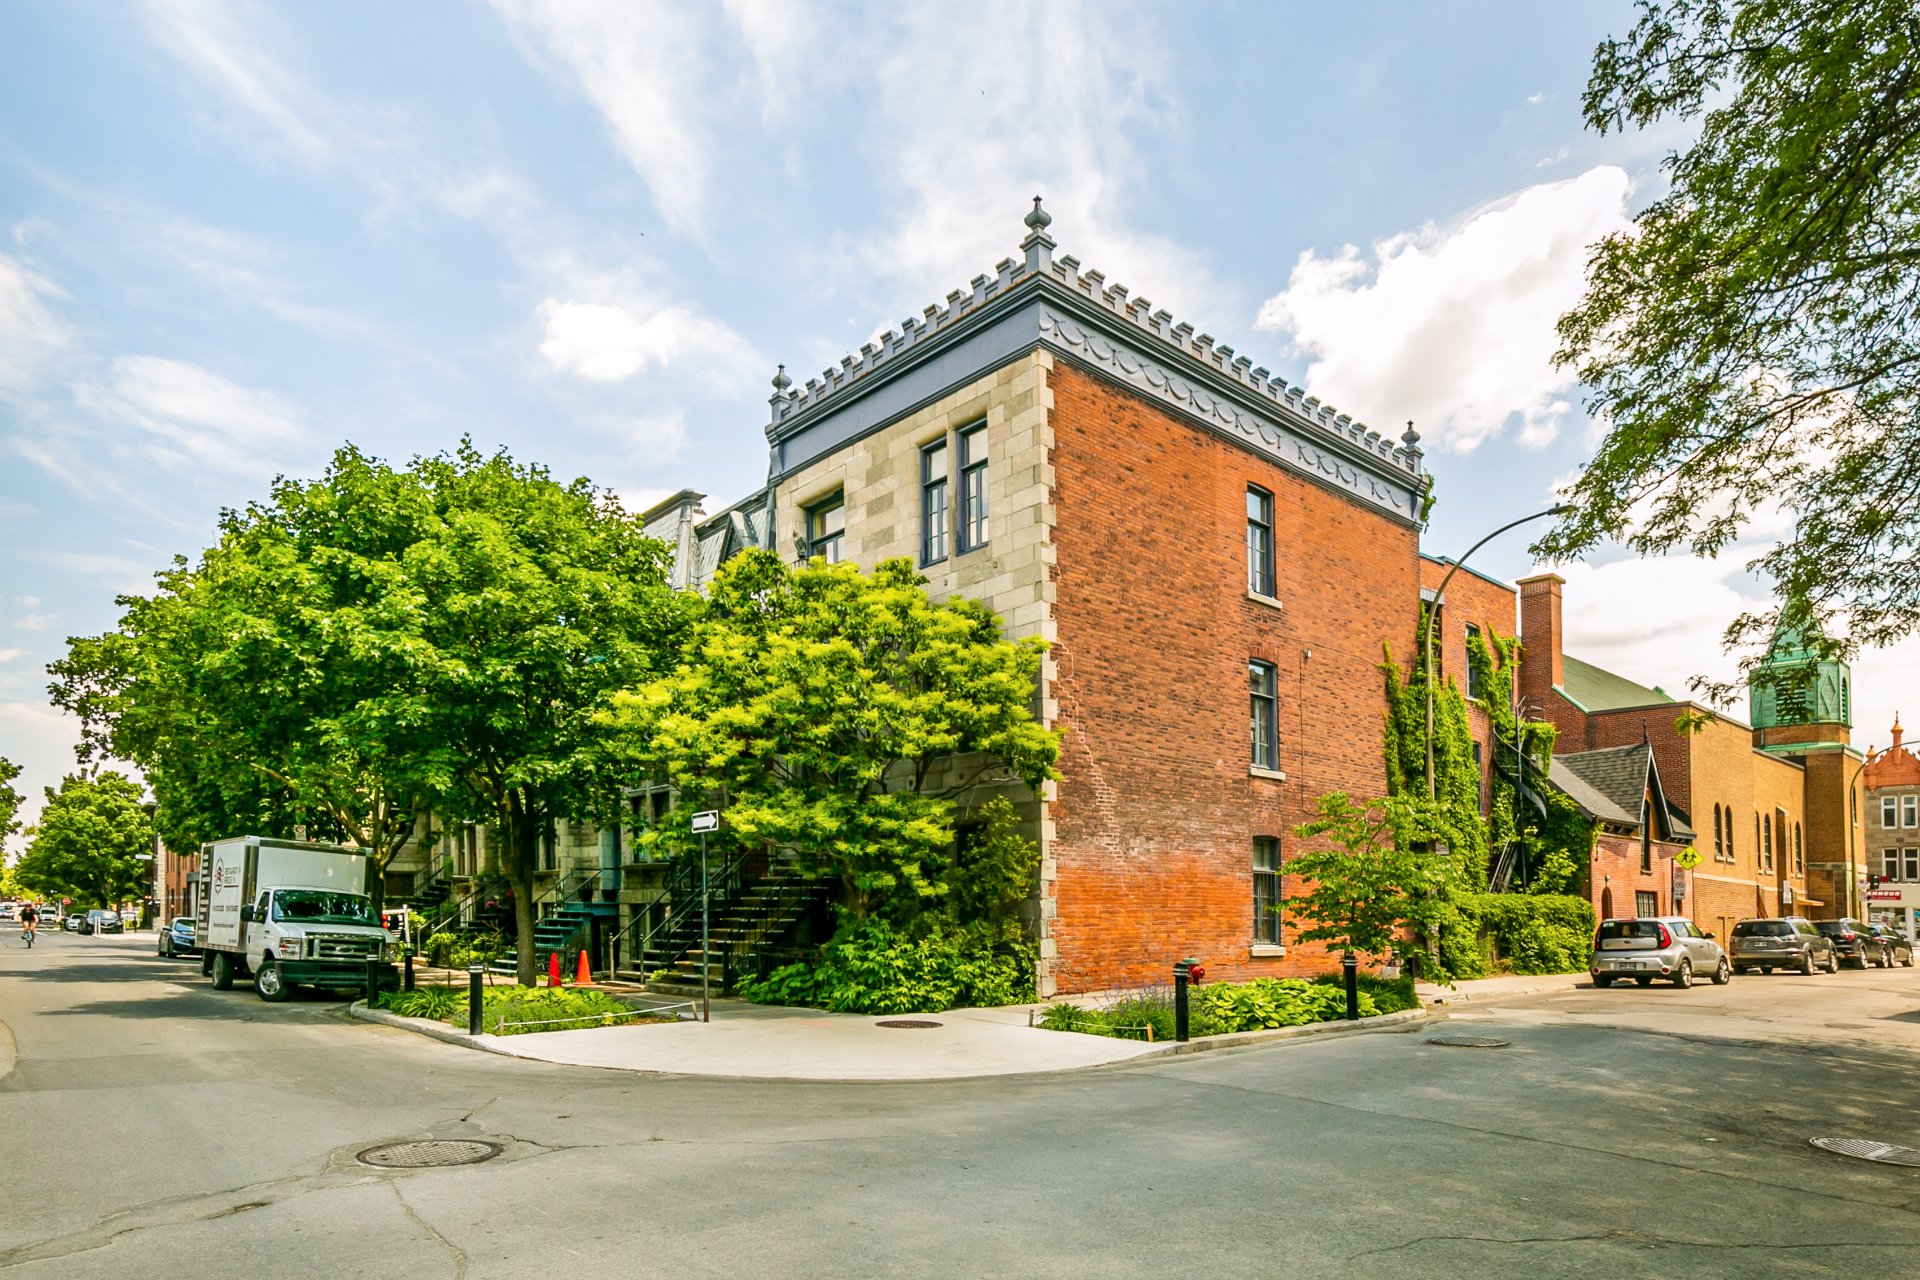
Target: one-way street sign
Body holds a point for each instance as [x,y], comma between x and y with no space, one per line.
[706,820]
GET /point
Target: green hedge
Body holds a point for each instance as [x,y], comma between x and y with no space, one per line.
[872,967]
[1218,1008]
[555,1008]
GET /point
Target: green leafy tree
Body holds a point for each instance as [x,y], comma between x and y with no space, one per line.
[1370,881]
[90,841]
[9,804]
[839,714]
[1755,338]
[265,686]
[381,643]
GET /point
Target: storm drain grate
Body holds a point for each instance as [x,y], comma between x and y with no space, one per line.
[431,1154]
[1461,1040]
[907,1024]
[1861,1149]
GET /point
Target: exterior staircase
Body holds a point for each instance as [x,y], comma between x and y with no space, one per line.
[746,919]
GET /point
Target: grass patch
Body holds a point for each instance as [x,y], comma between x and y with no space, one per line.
[552,1008]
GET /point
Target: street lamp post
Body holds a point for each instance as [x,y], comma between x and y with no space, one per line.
[1426,630]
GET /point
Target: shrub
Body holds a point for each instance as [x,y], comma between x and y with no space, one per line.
[1126,1020]
[563,1008]
[1534,933]
[872,967]
[1389,995]
[1269,1002]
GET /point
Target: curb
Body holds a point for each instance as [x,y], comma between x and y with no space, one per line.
[1405,1019]
[1453,995]
[1242,1039]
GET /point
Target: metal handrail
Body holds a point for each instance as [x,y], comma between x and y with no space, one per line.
[684,880]
[795,893]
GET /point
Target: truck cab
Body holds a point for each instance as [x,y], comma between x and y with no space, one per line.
[289,913]
[310,937]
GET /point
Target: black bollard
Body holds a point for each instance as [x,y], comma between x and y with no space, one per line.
[475,1001]
[373,979]
[1350,974]
[1180,970]
[409,965]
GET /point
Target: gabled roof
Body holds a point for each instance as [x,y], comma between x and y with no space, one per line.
[1612,785]
[1598,690]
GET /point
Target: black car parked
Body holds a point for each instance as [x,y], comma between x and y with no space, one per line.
[1898,949]
[1854,942]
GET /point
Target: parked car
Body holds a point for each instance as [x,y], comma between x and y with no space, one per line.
[98,921]
[1899,947]
[74,922]
[1648,947]
[176,938]
[9,911]
[1854,942]
[1785,942]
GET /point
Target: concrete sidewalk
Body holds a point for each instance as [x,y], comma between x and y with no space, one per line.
[1486,990]
[761,1042]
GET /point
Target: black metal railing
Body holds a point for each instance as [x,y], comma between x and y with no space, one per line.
[675,929]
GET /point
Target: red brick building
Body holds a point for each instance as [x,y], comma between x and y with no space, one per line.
[1215,558]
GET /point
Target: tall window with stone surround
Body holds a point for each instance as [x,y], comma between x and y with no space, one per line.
[1719,838]
[933,502]
[1262,686]
[973,488]
[1259,541]
[1266,890]
[827,528]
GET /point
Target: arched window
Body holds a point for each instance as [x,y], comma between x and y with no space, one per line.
[1729,812]
[1719,840]
[1799,859]
[1756,843]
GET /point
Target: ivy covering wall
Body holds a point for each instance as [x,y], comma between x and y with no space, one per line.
[1543,835]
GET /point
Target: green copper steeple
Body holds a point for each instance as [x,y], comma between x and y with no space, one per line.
[1794,686]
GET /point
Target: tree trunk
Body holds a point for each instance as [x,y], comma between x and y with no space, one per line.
[518,860]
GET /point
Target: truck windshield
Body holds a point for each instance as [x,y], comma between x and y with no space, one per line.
[321,907]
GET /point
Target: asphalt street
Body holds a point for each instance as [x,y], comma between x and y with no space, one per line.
[152,1125]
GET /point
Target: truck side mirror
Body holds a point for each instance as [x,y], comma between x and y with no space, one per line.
[246,914]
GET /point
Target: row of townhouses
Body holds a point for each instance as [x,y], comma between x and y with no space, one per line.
[1216,560]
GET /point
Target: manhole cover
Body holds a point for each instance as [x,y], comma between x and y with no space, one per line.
[428,1155]
[907,1024]
[1461,1040]
[1879,1152]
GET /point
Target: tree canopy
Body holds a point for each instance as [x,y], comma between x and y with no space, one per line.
[363,649]
[840,714]
[1751,343]
[9,802]
[92,842]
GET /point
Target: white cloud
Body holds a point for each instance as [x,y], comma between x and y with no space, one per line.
[1049,111]
[643,64]
[188,417]
[8,655]
[1454,326]
[210,38]
[606,342]
[659,438]
[30,334]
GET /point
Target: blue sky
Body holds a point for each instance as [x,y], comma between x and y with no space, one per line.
[233,236]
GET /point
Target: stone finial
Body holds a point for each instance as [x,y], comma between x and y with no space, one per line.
[781,381]
[1410,438]
[777,401]
[1038,246]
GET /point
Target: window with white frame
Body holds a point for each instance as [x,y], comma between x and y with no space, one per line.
[1266,890]
[827,528]
[1889,811]
[933,502]
[1910,811]
[973,487]
[1890,863]
[1474,689]
[1911,872]
[1262,687]
[1259,541]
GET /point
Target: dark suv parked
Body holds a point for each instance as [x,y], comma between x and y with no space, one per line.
[1898,948]
[1855,943]
[1782,943]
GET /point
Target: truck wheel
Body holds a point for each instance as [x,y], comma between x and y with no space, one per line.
[267,981]
[222,971]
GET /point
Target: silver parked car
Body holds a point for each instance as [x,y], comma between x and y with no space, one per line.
[1671,948]
[1784,942]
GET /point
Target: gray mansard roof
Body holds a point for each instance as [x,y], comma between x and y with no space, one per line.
[1039,302]
[702,543]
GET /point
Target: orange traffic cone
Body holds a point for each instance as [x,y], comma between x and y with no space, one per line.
[553,968]
[584,976]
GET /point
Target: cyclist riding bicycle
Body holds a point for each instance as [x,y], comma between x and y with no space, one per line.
[29,919]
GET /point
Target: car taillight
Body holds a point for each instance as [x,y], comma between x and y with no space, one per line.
[1666,939]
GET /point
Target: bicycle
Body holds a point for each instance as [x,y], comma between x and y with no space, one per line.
[28,933]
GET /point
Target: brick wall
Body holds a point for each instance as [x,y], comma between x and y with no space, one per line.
[1154,820]
[1488,605]
[1615,876]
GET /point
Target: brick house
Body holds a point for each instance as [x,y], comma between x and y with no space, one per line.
[1475,606]
[1638,835]
[1892,839]
[1214,557]
[1766,806]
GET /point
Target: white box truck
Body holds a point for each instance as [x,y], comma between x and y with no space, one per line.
[288,913]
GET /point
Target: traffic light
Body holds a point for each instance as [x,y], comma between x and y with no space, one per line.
[1873,881]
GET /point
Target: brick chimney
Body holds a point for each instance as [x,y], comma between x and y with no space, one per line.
[1540,659]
